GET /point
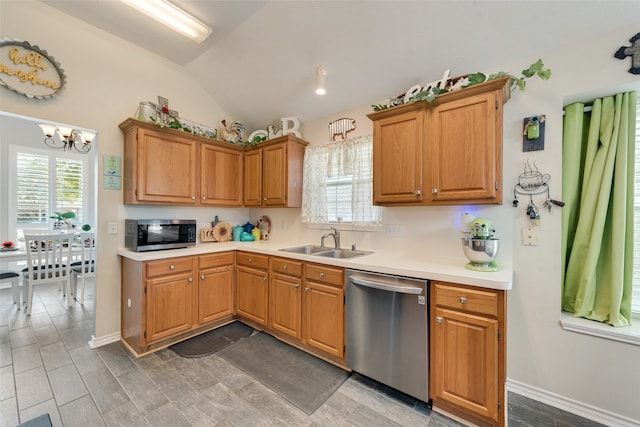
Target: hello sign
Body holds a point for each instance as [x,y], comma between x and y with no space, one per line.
[29,71]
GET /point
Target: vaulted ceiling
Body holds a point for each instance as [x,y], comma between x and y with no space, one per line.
[259,63]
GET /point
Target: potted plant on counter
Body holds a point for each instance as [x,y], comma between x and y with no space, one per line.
[62,219]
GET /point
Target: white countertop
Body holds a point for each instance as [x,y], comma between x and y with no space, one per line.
[448,269]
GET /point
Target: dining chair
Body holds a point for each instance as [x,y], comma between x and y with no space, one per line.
[85,268]
[13,277]
[48,261]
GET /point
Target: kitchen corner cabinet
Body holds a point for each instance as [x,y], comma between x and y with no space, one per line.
[323,308]
[445,152]
[468,351]
[273,173]
[170,167]
[165,301]
[252,287]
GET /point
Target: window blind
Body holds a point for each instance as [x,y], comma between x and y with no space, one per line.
[32,182]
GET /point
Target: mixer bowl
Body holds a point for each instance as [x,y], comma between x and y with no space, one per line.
[480,251]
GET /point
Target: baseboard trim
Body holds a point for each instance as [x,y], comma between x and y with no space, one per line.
[573,406]
[104,340]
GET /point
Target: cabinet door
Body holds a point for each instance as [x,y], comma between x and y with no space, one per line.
[171,302]
[397,158]
[221,176]
[167,168]
[466,361]
[466,150]
[215,294]
[324,317]
[285,310]
[252,291]
[253,178]
[274,175]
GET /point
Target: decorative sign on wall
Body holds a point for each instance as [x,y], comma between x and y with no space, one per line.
[633,51]
[341,127]
[533,133]
[112,166]
[29,70]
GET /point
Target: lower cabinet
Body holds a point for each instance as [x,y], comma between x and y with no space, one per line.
[323,308]
[468,351]
[164,301]
[285,297]
[252,286]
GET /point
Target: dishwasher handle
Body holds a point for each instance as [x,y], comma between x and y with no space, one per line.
[386,286]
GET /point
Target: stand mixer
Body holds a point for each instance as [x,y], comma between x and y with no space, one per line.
[481,248]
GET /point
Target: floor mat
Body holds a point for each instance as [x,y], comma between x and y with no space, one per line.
[303,380]
[212,341]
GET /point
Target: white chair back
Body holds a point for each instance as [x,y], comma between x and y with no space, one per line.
[86,267]
[48,261]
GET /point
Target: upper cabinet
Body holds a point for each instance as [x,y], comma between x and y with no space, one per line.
[169,167]
[445,152]
[273,173]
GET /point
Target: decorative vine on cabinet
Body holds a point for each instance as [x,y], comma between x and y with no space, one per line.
[170,167]
[445,152]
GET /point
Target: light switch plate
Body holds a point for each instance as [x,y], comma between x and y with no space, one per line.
[113,228]
[530,236]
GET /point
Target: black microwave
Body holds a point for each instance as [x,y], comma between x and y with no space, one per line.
[143,235]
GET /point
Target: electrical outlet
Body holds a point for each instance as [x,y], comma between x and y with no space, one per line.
[395,230]
[530,236]
[113,228]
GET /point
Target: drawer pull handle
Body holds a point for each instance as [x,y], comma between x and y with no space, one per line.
[438,319]
[322,275]
[172,267]
[463,300]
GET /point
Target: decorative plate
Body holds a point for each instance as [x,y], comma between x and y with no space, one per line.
[222,231]
[264,224]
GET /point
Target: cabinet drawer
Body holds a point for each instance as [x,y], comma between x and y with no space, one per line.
[462,298]
[326,274]
[252,260]
[169,266]
[286,266]
[215,260]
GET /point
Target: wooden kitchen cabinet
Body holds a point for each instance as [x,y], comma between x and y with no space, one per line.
[216,286]
[170,167]
[252,287]
[323,308]
[445,152]
[467,341]
[273,173]
[285,296]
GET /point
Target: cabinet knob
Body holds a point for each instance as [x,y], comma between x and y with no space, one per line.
[264,200]
[250,260]
[418,192]
[172,267]
[284,267]
[193,197]
[463,300]
[202,277]
[297,285]
[190,279]
[306,289]
[204,197]
[434,191]
[438,319]
[264,279]
[322,275]
[258,199]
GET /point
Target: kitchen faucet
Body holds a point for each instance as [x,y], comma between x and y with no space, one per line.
[336,238]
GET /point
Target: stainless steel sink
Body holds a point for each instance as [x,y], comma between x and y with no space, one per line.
[326,252]
[307,249]
[343,253]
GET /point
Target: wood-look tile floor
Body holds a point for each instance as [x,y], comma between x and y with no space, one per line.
[47,366]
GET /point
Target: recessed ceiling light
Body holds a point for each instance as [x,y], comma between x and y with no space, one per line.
[173,17]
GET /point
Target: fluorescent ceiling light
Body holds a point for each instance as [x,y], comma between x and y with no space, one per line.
[173,17]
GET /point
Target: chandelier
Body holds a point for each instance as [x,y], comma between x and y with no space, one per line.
[66,138]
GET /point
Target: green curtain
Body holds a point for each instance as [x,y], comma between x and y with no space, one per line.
[598,151]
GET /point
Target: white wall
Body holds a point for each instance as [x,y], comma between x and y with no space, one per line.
[107,77]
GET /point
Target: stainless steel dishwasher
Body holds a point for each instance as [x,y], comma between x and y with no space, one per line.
[387,326]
